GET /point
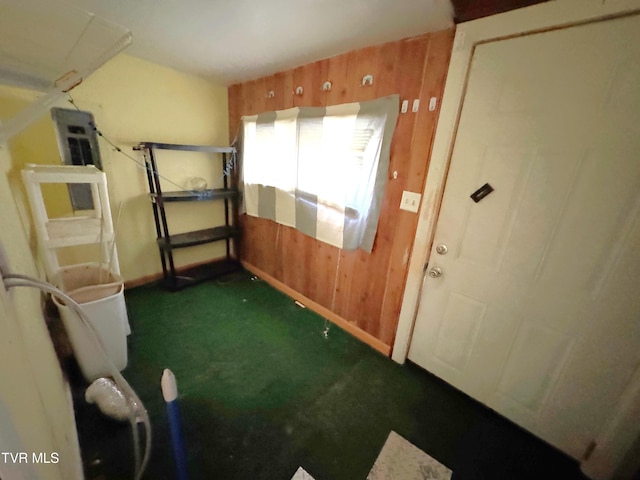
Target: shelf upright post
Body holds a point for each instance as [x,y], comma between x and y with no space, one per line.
[164,233]
[235,201]
[154,205]
[225,181]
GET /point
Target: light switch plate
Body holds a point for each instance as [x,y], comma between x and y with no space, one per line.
[410,201]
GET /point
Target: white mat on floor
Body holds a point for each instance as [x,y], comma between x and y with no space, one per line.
[401,460]
[301,474]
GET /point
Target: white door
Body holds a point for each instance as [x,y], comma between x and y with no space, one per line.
[537,311]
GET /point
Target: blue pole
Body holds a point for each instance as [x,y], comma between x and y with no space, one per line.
[170,394]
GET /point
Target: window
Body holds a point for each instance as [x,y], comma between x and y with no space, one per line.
[78,145]
[320,170]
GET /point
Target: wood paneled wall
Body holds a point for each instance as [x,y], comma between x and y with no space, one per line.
[362,289]
[467,10]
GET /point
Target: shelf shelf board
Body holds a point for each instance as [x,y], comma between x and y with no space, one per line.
[188,148]
[197,237]
[64,174]
[72,231]
[189,196]
[200,273]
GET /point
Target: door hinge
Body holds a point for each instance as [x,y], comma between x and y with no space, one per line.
[589,451]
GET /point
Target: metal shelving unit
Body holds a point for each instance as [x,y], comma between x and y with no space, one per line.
[227,232]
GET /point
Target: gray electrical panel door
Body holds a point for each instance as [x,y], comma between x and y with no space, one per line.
[78,145]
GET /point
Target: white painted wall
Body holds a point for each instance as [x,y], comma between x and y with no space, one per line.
[36,414]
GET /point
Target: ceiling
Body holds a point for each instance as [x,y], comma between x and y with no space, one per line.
[227,41]
[232,41]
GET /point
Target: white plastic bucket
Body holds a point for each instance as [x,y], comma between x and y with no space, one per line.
[101,296]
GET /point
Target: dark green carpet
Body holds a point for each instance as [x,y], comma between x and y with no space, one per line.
[262,391]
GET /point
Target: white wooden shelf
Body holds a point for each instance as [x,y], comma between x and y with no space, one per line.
[92,227]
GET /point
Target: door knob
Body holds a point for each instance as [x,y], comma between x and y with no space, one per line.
[442,249]
[435,272]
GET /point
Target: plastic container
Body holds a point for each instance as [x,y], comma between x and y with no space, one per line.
[100,294]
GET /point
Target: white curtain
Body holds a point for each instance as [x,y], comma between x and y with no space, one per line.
[320,170]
